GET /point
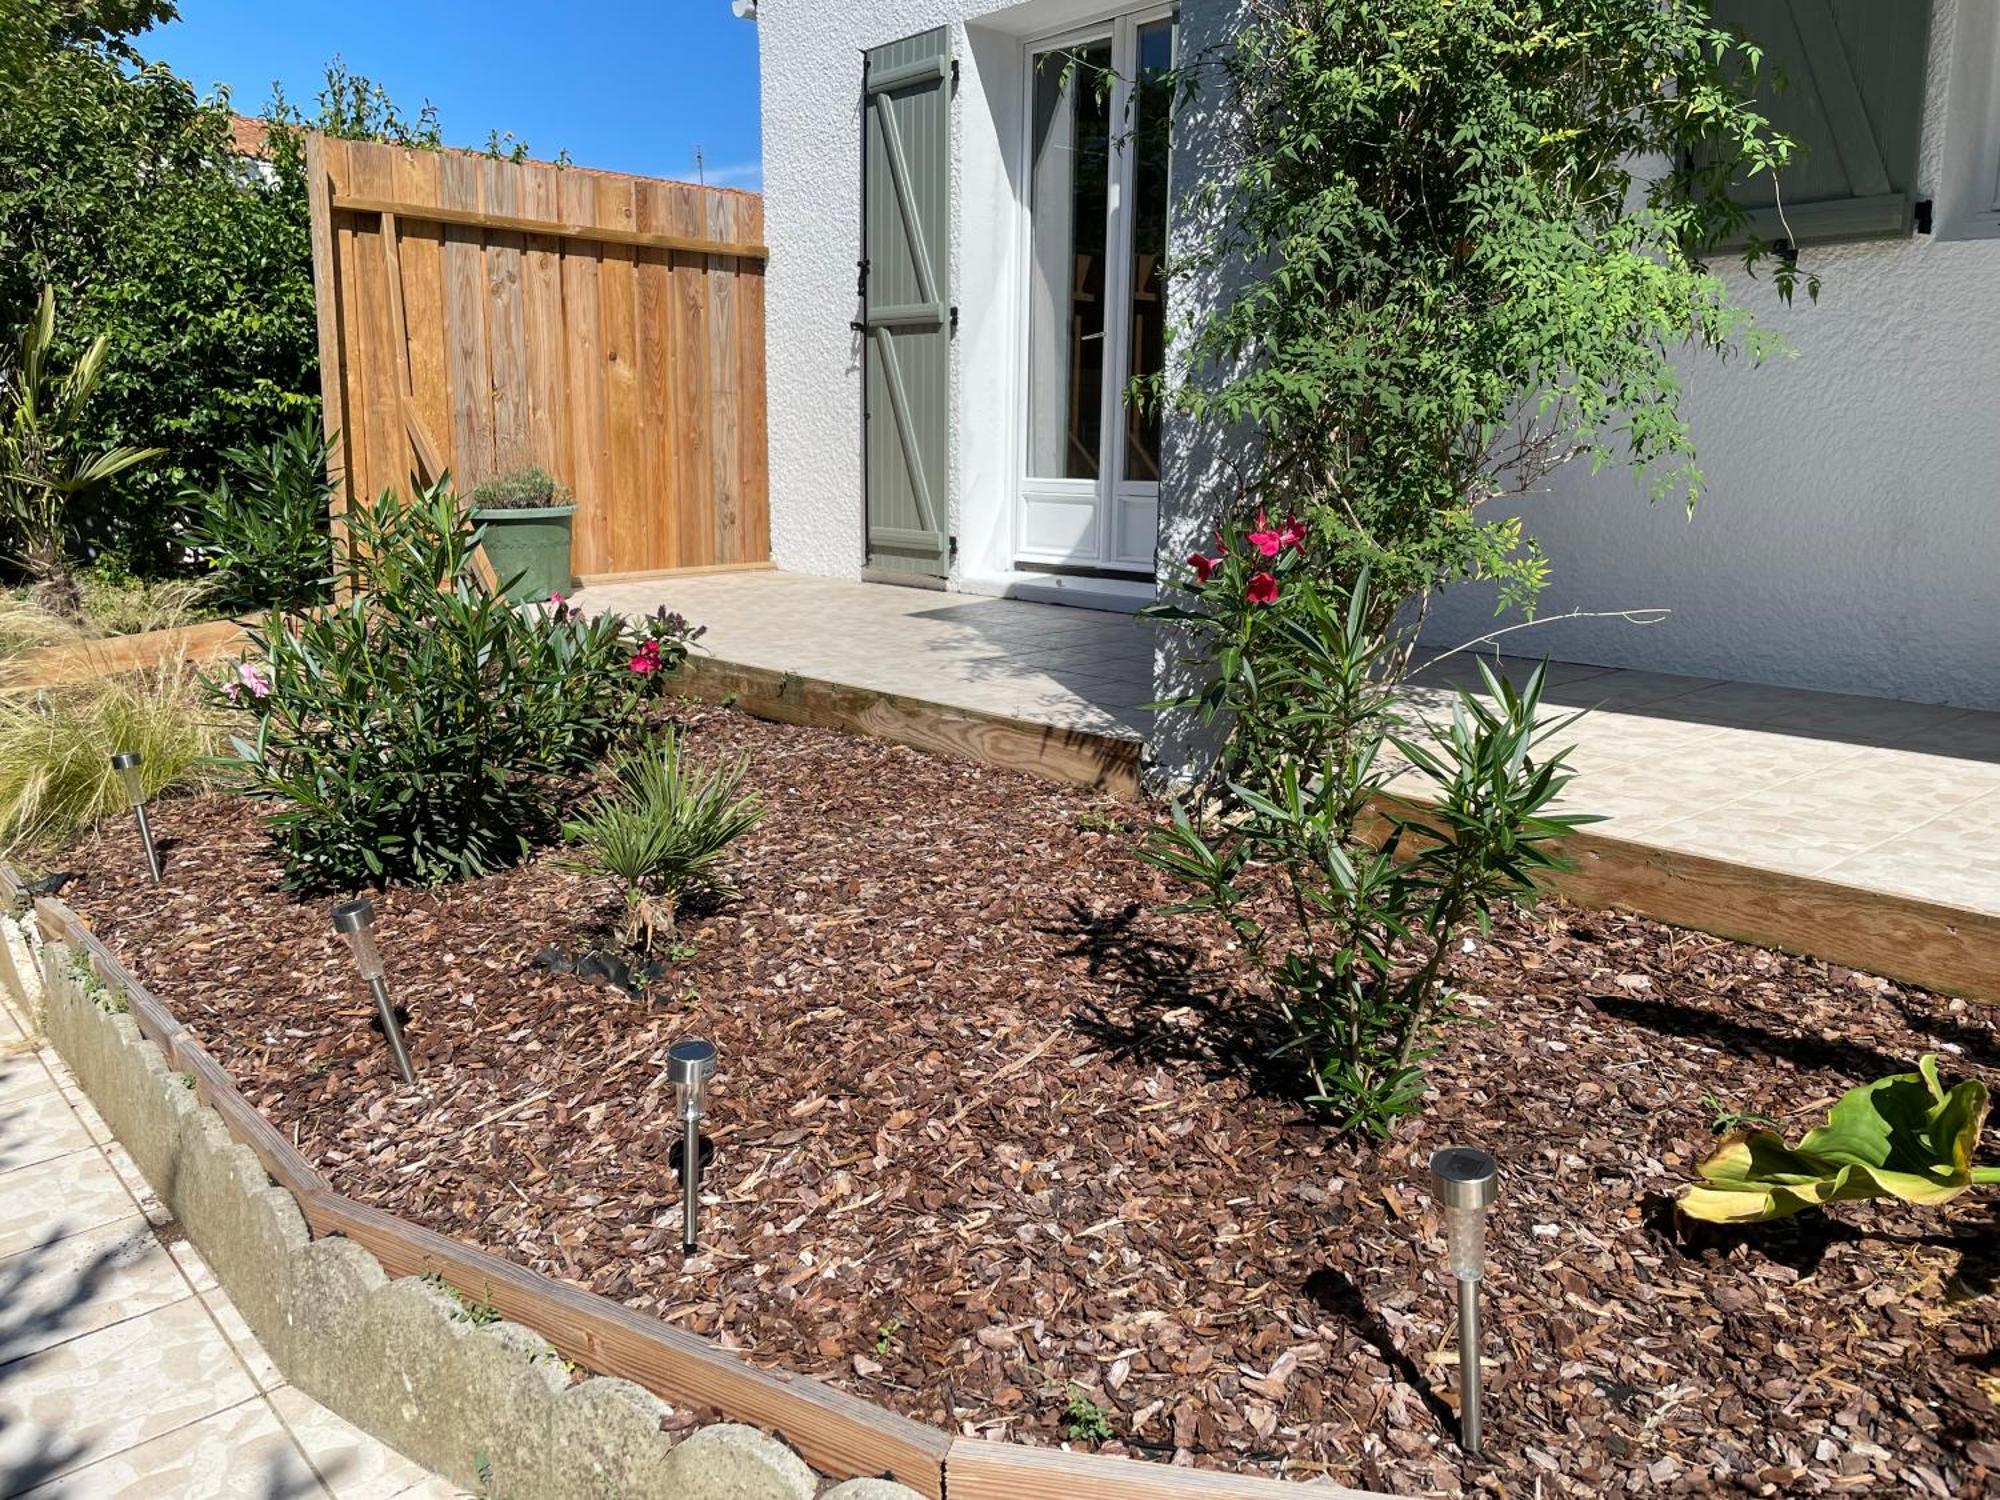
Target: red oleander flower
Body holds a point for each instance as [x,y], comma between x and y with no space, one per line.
[1204,567]
[1293,534]
[1263,589]
[643,664]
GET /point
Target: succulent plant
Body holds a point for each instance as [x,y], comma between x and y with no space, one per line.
[1905,1136]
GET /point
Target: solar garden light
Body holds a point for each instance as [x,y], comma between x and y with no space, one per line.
[1466,1181]
[355,921]
[691,1064]
[126,763]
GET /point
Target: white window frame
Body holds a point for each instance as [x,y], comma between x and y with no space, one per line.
[1111,495]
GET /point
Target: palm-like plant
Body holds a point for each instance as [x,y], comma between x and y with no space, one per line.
[662,832]
[45,464]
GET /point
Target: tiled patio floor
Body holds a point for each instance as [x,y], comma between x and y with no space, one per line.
[1896,797]
[124,1369]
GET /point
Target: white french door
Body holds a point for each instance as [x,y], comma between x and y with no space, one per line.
[1096,240]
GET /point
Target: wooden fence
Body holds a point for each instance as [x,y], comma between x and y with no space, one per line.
[480,316]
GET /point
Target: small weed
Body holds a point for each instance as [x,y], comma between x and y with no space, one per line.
[187,1080]
[470,1310]
[885,1336]
[1090,820]
[1084,1420]
[1725,1119]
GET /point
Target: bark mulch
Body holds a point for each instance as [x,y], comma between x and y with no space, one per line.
[994,1140]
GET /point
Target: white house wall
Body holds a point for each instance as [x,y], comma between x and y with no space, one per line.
[1850,536]
[811,70]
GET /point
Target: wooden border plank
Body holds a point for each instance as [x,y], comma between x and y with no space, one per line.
[977,1469]
[564,229]
[839,1434]
[52,666]
[655,575]
[1107,762]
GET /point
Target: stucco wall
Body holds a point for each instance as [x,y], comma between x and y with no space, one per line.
[1850,536]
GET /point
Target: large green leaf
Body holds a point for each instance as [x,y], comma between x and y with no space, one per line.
[1905,1136]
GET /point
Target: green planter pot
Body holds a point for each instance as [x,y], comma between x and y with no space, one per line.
[529,546]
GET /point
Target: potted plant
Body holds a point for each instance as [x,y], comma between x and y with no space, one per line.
[525,516]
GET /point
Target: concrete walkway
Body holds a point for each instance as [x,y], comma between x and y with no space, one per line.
[124,1369]
[1901,798]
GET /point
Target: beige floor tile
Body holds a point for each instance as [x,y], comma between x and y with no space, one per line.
[62,1196]
[37,1128]
[22,1076]
[84,1282]
[354,1465]
[263,1372]
[243,1453]
[107,1391]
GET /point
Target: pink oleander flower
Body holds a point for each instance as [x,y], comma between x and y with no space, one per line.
[1293,534]
[643,664]
[1204,567]
[1263,589]
[253,678]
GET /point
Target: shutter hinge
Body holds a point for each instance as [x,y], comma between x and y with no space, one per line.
[1923,211]
[861,277]
[951,543]
[954,320]
[954,72]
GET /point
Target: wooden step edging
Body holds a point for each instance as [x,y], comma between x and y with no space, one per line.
[1082,757]
[152,1078]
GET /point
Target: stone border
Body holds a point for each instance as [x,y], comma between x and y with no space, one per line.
[490,1405]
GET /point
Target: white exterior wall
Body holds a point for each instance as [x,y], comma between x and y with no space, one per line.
[1850,536]
[811,70]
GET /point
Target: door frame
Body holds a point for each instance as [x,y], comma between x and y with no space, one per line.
[1121,29]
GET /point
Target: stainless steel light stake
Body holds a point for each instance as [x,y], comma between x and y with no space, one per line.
[1466,1181]
[355,921]
[126,763]
[691,1064]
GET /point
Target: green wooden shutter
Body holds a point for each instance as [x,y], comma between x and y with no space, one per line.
[906,302]
[1845,79]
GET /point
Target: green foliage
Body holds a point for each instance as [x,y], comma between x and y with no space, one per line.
[521,489]
[1904,1136]
[263,527]
[47,461]
[662,833]
[351,107]
[56,779]
[425,730]
[1083,1420]
[118,185]
[1356,940]
[1445,276]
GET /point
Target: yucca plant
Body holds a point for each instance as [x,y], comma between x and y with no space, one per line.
[45,463]
[661,832]
[56,747]
[1905,1136]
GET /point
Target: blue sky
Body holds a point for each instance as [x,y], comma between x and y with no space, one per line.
[629,85]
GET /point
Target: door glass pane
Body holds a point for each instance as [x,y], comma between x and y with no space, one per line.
[1068,190]
[1152,105]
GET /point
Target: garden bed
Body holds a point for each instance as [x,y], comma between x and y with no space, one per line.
[993,1139]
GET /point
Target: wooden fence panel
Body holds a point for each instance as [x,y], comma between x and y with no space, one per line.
[480,315]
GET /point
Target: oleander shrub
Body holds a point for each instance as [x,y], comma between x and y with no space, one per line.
[425,730]
[262,529]
[56,747]
[1352,907]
